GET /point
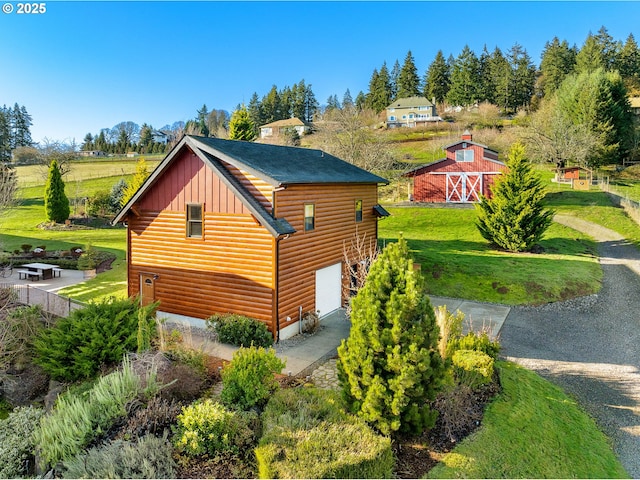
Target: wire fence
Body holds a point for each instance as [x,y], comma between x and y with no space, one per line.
[51,303]
[630,206]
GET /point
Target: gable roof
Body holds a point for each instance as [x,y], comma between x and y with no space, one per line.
[274,164]
[411,102]
[289,122]
[469,142]
[279,165]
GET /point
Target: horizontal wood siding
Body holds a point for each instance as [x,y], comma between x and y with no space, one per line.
[189,180]
[257,187]
[230,270]
[305,252]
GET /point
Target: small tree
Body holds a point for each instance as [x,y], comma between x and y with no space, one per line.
[514,218]
[56,203]
[142,172]
[389,367]
[241,127]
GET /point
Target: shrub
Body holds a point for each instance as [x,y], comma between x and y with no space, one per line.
[157,417]
[182,382]
[17,443]
[208,427]
[56,203]
[149,457]
[240,330]
[92,258]
[100,204]
[78,346]
[479,341]
[308,435]
[248,380]
[389,367]
[18,330]
[78,419]
[472,368]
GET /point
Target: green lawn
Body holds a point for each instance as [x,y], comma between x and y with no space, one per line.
[532,430]
[458,262]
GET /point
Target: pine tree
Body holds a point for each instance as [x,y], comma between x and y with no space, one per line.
[629,64]
[465,79]
[379,96]
[558,61]
[437,82]
[393,80]
[5,135]
[608,47]
[500,73]
[56,203]
[523,78]
[590,57]
[408,80]
[486,92]
[240,126]
[347,101]
[514,218]
[389,367]
[201,121]
[142,172]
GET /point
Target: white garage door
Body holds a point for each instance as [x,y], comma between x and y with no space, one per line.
[328,289]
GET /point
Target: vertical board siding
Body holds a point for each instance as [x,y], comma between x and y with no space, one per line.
[305,252]
[189,180]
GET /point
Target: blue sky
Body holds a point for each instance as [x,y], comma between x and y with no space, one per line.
[82,66]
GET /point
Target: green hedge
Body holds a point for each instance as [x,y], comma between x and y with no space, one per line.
[472,368]
[240,330]
[308,435]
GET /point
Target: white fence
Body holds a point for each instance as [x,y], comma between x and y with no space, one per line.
[50,302]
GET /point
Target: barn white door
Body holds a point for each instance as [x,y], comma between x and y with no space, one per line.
[329,289]
[463,187]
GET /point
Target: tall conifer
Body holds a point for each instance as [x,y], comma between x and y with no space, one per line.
[56,203]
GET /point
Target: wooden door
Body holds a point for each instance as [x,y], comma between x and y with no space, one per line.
[147,288]
[463,187]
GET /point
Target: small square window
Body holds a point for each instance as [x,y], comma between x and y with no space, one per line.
[194,221]
[464,155]
[309,217]
[358,210]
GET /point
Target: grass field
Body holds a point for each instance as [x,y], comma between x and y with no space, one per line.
[458,262]
[532,430]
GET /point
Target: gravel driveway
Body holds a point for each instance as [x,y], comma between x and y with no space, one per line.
[590,346]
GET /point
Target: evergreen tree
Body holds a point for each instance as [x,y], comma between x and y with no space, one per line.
[629,64]
[394,80]
[87,143]
[486,92]
[56,203]
[523,78]
[145,145]
[514,218]
[270,107]
[254,110]
[8,186]
[437,82]
[240,126]
[21,127]
[408,80]
[347,101]
[142,172]
[379,96]
[201,121]
[598,100]
[558,61]
[311,104]
[361,100]
[609,48]
[465,79]
[389,366]
[500,73]
[590,57]
[5,135]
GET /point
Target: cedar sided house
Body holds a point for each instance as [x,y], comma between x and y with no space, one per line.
[468,170]
[254,229]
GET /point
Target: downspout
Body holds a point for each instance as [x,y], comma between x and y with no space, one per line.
[277,286]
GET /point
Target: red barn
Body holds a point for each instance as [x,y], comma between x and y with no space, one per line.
[468,170]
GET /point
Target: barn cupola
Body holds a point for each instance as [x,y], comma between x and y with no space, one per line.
[466,136]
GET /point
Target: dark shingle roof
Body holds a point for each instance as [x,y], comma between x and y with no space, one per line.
[280,165]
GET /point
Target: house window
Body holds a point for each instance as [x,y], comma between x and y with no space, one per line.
[194,220]
[358,210]
[392,118]
[464,155]
[309,217]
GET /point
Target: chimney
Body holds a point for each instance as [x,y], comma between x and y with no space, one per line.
[467,136]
